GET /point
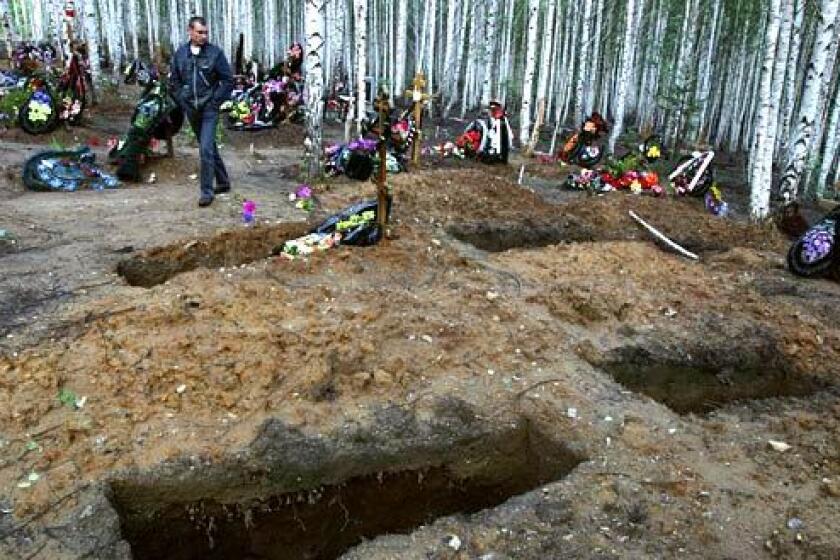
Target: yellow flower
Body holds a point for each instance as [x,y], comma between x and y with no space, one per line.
[654,152]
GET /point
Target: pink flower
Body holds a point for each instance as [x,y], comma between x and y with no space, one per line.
[303,191]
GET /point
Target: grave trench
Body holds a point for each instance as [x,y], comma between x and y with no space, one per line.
[227,249]
[498,236]
[704,384]
[326,518]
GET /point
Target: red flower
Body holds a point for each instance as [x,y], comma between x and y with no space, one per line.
[648,179]
[469,141]
[610,179]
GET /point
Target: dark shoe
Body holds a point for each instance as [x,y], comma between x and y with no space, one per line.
[221,189]
[205,201]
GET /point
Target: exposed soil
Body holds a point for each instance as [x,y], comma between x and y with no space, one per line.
[520,372]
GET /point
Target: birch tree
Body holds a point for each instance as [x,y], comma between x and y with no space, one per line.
[504,70]
[6,25]
[315,29]
[761,172]
[545,53]
[450,70]
[830,151]
[133,28]
[360,22]
[581,58]
[430,49]
[792,72]
[812,97]
[624,74]
[489,52]
[91,31]
[530,68]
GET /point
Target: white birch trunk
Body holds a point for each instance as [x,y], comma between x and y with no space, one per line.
[174,26]
[402,41]
[830,151]
[793,71]
[761,172]
[504,70]
[469,53]
[545,52]
[812,100]
[705,81]
[624,74]
[597,59]
[249,30]
[554,67]
[422,37]
[459,56]
[430,51]
[360,22]
[584,47]
[489,52]
[150,30]
[685,60]
[315,30]
[115,40]
[530,68]
[91,29]
[6,24]
[230,33]
[825,97]
[570,54]
[37,20]
[134,28]
[780,71]
[450,69]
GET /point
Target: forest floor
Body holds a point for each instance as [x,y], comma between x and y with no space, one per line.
[519,373]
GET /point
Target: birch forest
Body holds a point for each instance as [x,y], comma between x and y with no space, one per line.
[755,77]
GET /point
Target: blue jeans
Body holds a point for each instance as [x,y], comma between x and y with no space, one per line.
[212,166]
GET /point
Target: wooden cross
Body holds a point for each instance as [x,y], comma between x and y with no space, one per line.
[418,98]
[383,107]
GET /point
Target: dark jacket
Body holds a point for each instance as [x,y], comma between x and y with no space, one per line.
[200,81]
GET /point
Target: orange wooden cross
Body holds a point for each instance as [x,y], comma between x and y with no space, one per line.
[419,98]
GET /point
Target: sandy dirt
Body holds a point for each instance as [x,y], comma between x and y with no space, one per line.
[518,300]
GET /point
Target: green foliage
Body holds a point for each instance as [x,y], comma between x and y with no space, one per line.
[67,398]
[10,104]
[55,144]
[618,167]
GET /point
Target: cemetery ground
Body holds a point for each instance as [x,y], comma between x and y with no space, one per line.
[518,373]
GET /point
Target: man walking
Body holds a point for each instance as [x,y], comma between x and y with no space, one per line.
[200,80]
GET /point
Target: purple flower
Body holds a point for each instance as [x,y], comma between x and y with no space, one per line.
[363,144]
[303,191]
[816,245]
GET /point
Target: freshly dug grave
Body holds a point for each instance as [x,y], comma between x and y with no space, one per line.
[231,248]
[309,502]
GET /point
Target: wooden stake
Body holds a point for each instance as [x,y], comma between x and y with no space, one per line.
[382,107]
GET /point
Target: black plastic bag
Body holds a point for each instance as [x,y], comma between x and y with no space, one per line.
[363,235]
